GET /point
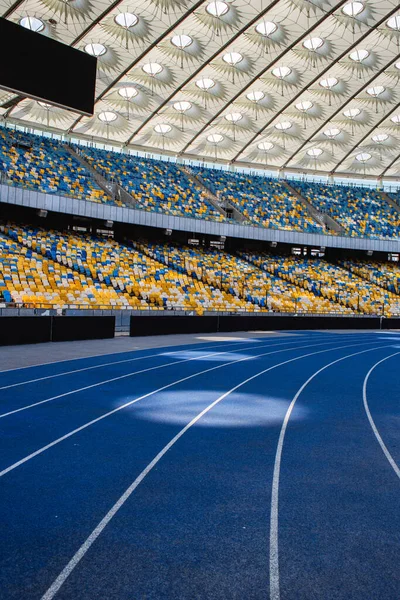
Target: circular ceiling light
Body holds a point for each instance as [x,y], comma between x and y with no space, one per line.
[152,69]
[162,128]
[266,28]
[397,65]
[128,92]
[215,138]
[376,90]
[265,146]
[126,20]
[281,72]
[304,106]
[394,23]
[107,116]
[395,119]
[45,105]
[255,96]
[181,41]
[352,9]
[95,49]
[351,113]
[329,83]
[217,9]
[332,133]
[283,126]
[234,117]
[380,137]
[315,152]
[205,83]
[359,55]
[313,44]
[232,58]
[182,106]
[32,23]
[363,157]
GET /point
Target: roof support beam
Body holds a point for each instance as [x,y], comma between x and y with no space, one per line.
[321,74]
[341,107]
[143,54]
[261,73]
[390,165]
[370,130]
[11,9]
[197,71]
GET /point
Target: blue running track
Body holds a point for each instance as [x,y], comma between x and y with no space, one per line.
[259,469]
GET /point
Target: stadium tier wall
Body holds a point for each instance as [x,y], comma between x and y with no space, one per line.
[102,212]
[33,330]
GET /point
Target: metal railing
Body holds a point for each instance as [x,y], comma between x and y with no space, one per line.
[41,308]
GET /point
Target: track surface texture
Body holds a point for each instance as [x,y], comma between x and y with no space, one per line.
[261,468]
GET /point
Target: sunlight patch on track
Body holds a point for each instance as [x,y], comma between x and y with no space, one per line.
[249,410]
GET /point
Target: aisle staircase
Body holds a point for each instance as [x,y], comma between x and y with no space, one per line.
[223,206]
[112,188]
[390,200]
[320,217]
[300,284]
[204,277]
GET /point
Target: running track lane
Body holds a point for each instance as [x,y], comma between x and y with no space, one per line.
[62,473]
[85,409]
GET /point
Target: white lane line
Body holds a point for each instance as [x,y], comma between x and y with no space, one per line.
[123,406]
[274,546]
[382,444]
[65,573]
[183,348]
[136,349]
[131,374]
[117,362]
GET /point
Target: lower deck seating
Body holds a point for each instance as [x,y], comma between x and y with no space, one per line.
[50,268]
[332,282]
[258,289]
[383,274]
[127,277]
[29,279]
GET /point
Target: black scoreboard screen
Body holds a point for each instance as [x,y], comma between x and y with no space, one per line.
[39,67]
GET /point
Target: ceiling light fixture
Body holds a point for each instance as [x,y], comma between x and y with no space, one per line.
[95,49]
[32,23]
[266,28]
[352,9]
[181,41]
[126,20]
[217,9]
[107,116]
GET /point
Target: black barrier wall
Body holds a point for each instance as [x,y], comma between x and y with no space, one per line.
[159,325]
[33,330]
[82,328]
[172,324]
[24,330]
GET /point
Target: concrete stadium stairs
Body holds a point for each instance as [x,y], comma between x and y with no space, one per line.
[319,217]
[112,188]
[224,207]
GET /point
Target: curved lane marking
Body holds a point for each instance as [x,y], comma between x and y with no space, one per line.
[374,428]
[66,572]
[116,362]
[274,524]
[123,406]
[130,374]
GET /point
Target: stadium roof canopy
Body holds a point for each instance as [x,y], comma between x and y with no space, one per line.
[284,84]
